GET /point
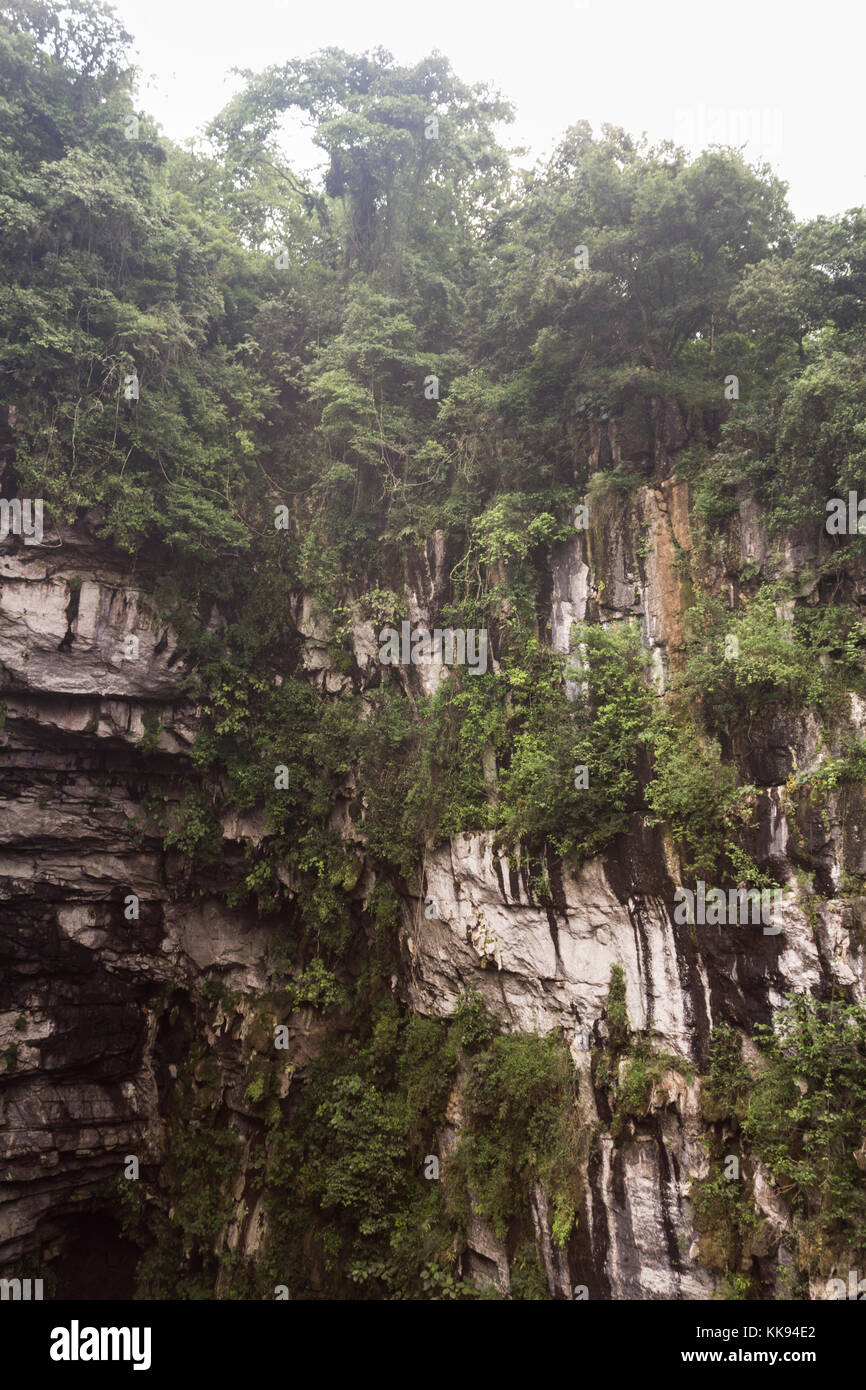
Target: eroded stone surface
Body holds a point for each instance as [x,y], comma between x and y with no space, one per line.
[90,1073]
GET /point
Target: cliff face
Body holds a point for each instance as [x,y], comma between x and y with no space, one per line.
[541,968]
[110,942]
[87,970]
[339,975]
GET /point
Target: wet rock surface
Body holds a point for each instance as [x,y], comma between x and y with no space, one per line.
[84,990]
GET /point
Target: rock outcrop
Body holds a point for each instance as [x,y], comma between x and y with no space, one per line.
[106,941]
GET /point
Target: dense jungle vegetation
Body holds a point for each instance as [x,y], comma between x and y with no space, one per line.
[285,436]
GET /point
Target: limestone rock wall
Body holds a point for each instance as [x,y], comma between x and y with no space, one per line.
[83,989]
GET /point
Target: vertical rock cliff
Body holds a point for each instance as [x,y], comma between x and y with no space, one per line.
[102,1001]
[433,681]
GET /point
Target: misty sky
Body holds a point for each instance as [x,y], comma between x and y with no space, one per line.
[786,79]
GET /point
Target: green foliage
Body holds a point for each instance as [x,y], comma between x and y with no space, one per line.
[634,1088]
[110,275]
[317,986]
[726,1221]
[528,1279]
[726,1089]
[345,1175]
[347,1171]
[200,1162]
[511,527]
[602,732]
[799,1113]
[692,790]
[256,1089]
[500,753]
[473,1026]
[629,1065]
[744,666]
[778,661]
[616,1013]
[215,991]
[384,907]
[396,809]
[194,830]
[149,741]
[820,781]
[633,1082]
[804,1120]
[520,1106]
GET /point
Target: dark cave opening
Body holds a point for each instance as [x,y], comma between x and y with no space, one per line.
[96,1261]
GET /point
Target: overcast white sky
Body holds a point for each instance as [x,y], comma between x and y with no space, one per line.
[783,76]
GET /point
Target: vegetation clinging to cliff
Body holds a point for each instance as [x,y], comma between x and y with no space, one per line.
[192,340]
